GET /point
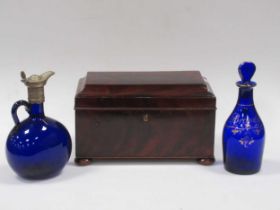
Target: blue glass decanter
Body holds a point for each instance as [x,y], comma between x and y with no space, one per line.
[244,134]
[38,147]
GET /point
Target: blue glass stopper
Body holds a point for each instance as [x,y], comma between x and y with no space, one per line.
[246,71]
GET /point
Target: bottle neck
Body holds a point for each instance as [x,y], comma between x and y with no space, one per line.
[37,110]
[245,97]
[36,95]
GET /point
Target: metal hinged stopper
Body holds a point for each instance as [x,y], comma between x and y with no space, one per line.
[35,85]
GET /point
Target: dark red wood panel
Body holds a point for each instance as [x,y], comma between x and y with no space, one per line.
[145,115]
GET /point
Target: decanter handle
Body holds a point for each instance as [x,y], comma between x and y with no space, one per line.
[16,106]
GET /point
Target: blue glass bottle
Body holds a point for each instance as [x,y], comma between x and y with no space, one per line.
[244,134]
[38,147]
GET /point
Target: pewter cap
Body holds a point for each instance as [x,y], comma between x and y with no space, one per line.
[35,84]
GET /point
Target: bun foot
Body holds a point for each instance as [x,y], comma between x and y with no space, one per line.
[83,161]
[206,161]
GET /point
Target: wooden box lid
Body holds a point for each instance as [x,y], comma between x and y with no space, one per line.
[144,89]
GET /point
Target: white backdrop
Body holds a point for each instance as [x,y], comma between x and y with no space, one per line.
[72,37]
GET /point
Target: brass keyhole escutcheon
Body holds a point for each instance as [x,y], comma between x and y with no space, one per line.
[146,118]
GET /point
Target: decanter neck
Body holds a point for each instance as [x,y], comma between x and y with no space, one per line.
[245,96]
[37,110]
